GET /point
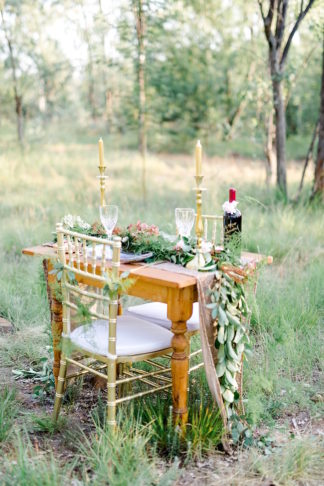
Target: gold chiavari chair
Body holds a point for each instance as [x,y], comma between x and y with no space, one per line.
[157,312]
[105,338]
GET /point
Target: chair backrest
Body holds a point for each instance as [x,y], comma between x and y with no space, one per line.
[213,232]
[84,260]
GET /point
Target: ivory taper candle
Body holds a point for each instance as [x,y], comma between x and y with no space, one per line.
[198,158]
[101,152]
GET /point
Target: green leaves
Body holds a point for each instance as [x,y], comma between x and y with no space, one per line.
[57,270]
[222,316]
[117,285]
[229,308]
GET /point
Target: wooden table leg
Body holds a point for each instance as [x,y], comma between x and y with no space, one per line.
[56,317]
[179,311]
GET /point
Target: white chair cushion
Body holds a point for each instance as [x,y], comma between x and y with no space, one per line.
[134,336]
[157,312]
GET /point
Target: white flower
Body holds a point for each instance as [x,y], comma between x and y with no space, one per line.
[206,246]
[230,207]
[69,221]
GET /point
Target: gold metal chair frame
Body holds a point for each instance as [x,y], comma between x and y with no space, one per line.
[83,268]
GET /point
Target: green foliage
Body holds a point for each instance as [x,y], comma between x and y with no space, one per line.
[46,424]
[44,377]
[196,81]
[117,284]
[202,435]
[8,412]
[115,457]
[229,308]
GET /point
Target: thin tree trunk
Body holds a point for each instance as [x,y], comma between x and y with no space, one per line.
[318,189]
[140,30]
[309,157]
[269,153]
[18,97]
[19,113]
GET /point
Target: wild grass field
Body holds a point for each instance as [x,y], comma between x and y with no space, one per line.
[283,380]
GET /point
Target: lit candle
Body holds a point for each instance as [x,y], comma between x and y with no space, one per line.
[198,158]
[101,152]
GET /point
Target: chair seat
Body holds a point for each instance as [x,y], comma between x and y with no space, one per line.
[134,336]
[157,312]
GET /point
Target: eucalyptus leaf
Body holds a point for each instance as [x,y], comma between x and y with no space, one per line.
[223,320]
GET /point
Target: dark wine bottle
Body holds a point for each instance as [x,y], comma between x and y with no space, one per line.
[232,222]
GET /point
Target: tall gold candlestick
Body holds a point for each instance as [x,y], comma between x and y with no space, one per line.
[198,158]
[199,228]
[199,260]
[102,169]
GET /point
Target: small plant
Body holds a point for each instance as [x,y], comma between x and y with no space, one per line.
[44,377]
[203,431]
[8,412]
[45,423]
[243,432]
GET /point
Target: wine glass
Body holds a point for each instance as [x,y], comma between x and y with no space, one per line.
[108,217]
[184,218]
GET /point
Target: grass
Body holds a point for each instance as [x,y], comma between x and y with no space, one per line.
[115,458]
[299,461]
[8,412]
[25,466]
[42,184]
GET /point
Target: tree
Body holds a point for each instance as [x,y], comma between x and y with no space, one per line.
[274,22]
[318,189]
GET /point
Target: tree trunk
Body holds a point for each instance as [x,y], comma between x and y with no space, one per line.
[19,115]
[280,137]
[274,22]
[280,121]
[269,153]
[140,30]
[318,189]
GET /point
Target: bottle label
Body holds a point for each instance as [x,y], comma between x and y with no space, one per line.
[230,207]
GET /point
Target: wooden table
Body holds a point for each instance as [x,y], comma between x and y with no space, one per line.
[178,291]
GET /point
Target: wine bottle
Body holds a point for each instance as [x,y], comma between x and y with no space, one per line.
[232,222]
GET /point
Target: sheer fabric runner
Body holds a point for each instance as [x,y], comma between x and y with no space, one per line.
[207,331]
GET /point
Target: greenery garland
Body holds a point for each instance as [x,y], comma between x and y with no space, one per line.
[230,312]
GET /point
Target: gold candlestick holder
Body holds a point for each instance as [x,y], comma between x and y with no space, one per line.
[102,182]
[199,227]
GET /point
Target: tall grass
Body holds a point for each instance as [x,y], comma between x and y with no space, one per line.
[8,412]
[122,458]
[27,467]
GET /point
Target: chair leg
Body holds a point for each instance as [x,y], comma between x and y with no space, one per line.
[111,395]
[60,388]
